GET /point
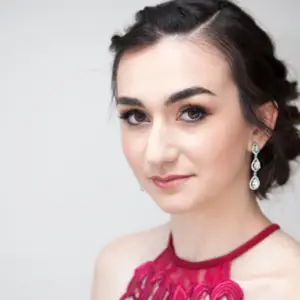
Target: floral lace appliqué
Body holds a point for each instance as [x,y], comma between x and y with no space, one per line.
[165,285]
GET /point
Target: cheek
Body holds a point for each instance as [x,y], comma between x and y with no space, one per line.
[219,147]
[132,148]
[127,146]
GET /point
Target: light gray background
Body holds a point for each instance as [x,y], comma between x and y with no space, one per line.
[65,188]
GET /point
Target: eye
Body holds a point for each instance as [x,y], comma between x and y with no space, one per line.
[133,117]
[192,113]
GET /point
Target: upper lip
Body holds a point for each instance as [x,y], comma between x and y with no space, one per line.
[169,177]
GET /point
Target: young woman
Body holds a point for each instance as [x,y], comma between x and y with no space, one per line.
[207,128]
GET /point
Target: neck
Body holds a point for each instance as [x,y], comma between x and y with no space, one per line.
[218,228]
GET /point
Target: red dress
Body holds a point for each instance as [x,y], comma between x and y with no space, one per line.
[168,277]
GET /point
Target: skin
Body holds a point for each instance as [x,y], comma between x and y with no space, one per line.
[213,144]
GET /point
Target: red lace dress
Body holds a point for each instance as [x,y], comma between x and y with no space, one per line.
[169,277]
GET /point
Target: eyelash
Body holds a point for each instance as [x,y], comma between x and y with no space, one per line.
[125,115]
[186,109]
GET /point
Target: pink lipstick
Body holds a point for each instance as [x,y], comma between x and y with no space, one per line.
[170,181]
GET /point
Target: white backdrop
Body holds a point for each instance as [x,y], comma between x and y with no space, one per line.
[65,188]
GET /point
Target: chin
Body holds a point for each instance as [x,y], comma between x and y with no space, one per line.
[176,204]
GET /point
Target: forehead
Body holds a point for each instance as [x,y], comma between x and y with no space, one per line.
[169,65]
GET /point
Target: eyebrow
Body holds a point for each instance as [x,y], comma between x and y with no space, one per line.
[173,98]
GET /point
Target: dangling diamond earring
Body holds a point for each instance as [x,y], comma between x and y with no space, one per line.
[255,167]
[142,189]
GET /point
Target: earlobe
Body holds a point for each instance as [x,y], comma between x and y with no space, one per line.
[256,137]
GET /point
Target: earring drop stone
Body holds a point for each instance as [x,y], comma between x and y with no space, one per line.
[256,165]
[254,183]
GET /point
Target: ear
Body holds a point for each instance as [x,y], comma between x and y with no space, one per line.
[268,114]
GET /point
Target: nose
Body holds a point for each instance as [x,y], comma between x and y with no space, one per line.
[160,147]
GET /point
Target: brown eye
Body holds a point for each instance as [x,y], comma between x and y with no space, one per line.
[134,117]
[192,114]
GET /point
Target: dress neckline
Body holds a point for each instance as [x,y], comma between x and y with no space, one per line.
[210,263]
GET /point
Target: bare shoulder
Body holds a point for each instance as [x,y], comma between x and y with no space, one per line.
[287,250]
[289,264]
[279,251]
[272,270]
[115,264]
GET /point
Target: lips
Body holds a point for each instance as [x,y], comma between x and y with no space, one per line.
[170,181]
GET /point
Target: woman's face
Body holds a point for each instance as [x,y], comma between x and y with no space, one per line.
[181,117]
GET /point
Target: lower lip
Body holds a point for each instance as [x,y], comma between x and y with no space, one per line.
[170,184]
